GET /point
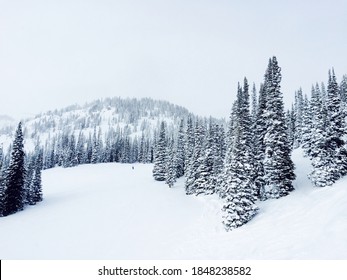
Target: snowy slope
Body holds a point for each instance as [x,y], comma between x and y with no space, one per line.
[109,211]
[129,116]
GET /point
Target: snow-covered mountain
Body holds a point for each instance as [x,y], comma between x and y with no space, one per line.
[131,117]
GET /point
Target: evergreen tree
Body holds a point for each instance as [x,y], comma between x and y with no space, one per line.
[260,128]
[35,191]
[80,151]
[14,191]
[170,176]
[216,157]
[189,144]
[96,147]
[329,158]
[290,123]
[239,204]
[180,151]
[2,183]
[193,183]
[278,166]
[159,168]
[343,91]
[298,106]
[204,172]
[308,124]
[254,104]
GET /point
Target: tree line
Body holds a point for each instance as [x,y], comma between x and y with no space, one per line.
[250,160]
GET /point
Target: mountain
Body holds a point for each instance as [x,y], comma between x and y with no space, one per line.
[122,124]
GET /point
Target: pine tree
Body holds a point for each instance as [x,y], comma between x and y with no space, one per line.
[298,107]
[329,158]
[189,144]
[96,147]
[260,127]
[193,183]
[14,192]
[159,168]
[80,151]
[308,124]
[2,183]
[170,176]
[336,128]
[215,157]
[254,104]
[35,191]
[203,183]
[278,166]
[180,151]
[239,191]
[239,206]
[343,92]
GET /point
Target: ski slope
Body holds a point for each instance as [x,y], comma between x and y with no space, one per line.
[111,211]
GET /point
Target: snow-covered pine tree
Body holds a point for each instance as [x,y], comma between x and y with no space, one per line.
[29,167]
[203,176]
[73,160]
[180,151]
[343,91]
[95,147]
[278,165]
[330,156]
[239,206]
[80,149]
[290,123]
[260,127]
[160,155]
[254,103]
[14,190]
[35,190]
[89,150]
[191,183]
[189,144]
[2,183]
[307,122]
[298,107]
[142,152]
[320,174]
[170,176]
[217,136]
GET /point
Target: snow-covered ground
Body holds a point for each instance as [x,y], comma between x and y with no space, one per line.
[110,211]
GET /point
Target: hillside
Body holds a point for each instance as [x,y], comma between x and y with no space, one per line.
[110,211]
[108,130]
[128,116]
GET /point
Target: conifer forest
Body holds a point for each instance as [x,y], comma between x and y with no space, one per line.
[242,160]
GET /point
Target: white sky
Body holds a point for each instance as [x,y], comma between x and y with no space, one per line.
[189,52]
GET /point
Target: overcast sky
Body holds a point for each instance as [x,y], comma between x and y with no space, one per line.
[189,52]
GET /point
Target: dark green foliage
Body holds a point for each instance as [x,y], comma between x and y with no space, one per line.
[14,190]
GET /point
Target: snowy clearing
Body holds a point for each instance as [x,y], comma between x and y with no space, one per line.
[109,211]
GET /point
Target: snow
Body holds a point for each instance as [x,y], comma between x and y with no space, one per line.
[110,211]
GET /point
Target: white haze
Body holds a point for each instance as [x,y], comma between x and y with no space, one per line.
[192,53]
